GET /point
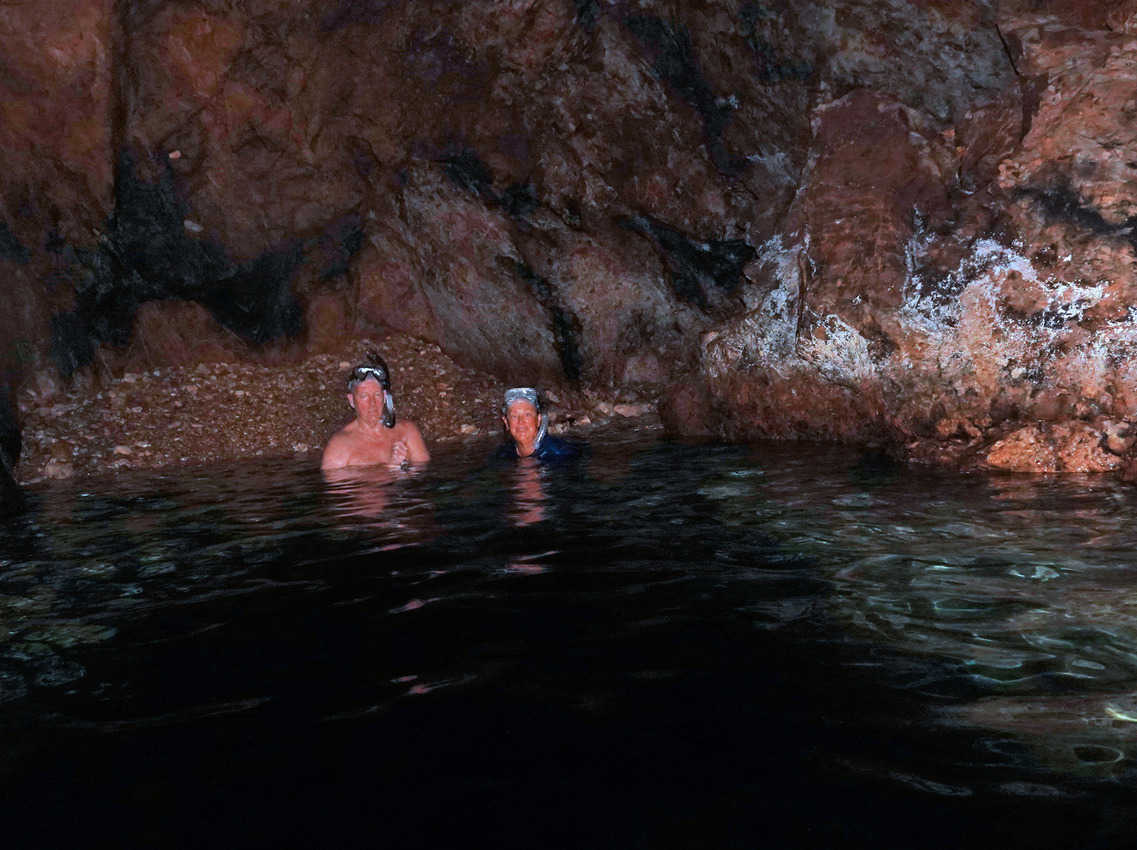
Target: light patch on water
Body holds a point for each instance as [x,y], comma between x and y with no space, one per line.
[921,783]
[1087,664]
[1035,573]
[774,614]
[854,500]
[521,567]
[412,605]
[1031,789]
[727,491]
[1042,641]
[1125,712]
[423,688]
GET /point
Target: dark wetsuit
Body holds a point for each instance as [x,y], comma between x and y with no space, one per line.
[549,449]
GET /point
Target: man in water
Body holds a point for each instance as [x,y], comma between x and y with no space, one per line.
[373,438]
[528,437]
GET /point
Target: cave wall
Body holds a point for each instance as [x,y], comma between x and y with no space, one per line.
[899,221]
[513,180]
[958,289]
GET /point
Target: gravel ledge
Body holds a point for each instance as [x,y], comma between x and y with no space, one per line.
[208,412]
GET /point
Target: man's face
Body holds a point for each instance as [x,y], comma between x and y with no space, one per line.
[522,420]
[367,399]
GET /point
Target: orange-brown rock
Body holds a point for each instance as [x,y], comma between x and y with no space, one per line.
[1062,447]
[905,223]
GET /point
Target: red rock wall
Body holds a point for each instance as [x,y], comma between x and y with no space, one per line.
[896,221]
[960,289]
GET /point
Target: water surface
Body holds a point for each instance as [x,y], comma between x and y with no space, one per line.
[666,645]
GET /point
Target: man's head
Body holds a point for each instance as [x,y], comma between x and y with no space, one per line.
[374,368]
[521,413]
[369,392]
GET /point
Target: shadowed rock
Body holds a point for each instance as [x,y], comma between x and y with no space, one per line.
[11,498]
[11,248]
[566,326]
[696,268]
[674,61]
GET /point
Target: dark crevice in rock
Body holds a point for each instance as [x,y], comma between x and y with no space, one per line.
[127,18]
[11,248]
[10,441]
[467,171]
[338,245]
[257,301]
[673,62]
[147,254]
[1012,47]
[695,267]
[519,200]
[349,12]
[147,239]
[11,497]
[571,214]
[362,156]
[587,12]
[1060,203]
[566,326]
[1031,89]
[772,67]
[71,346]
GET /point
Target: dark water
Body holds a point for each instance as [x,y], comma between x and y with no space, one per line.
[667,646]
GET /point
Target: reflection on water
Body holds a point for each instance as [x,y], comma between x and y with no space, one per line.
[959,638]
[528,491]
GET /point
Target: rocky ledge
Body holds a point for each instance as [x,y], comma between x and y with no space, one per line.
[210,412]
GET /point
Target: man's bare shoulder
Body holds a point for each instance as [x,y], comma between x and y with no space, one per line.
[337,453]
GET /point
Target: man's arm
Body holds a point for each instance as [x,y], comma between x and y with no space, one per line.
[416,446]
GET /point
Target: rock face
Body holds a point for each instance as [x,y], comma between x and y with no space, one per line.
[906,223]
[960,290]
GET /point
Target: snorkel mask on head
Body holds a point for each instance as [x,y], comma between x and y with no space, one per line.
[528,394]
[375,369]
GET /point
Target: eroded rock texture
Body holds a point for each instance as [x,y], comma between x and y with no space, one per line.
[900,222]
[960,288]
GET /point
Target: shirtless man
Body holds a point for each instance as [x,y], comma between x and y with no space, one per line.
[373,438]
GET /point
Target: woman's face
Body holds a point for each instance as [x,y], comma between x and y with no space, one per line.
[522,420]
